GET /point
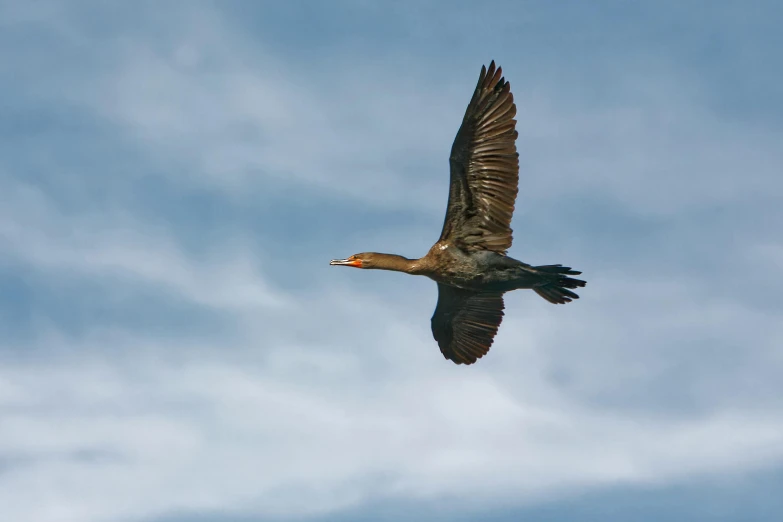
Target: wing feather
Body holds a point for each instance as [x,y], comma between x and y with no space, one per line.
[465,323]
[484,167]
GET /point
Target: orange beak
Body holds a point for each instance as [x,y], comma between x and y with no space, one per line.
[351,261]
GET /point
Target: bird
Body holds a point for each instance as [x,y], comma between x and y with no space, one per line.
[469,262]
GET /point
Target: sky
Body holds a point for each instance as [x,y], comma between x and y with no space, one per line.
[175,177]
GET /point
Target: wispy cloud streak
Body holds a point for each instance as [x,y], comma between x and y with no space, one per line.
[171,163]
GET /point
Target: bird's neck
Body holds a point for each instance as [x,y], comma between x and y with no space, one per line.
[397,263]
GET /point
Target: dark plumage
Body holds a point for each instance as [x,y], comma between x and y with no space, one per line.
[469,261]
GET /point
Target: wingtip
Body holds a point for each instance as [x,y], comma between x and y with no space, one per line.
[491,69]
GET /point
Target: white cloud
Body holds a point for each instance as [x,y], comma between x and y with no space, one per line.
[658,152]
[119,246]
[341,398]
[211,432]
[234,115]
[328,397]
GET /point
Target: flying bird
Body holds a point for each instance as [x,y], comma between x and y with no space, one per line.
[469,261]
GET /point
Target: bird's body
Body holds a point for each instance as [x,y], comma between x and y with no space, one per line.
[480,270]
[469,261]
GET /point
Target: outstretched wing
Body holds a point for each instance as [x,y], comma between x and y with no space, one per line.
[465,322]
[484,169]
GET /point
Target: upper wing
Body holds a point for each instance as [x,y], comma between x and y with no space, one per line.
[465,323]
[484,169]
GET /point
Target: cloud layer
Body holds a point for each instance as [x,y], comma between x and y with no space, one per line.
[174,179]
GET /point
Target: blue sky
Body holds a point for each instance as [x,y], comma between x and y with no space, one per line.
[175,176]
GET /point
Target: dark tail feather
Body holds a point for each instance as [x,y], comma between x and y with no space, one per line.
[555,289]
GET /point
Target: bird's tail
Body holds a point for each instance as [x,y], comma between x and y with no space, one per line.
[555,283]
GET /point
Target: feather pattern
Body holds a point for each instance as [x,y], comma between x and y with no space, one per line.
[465,322]
[484,169]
